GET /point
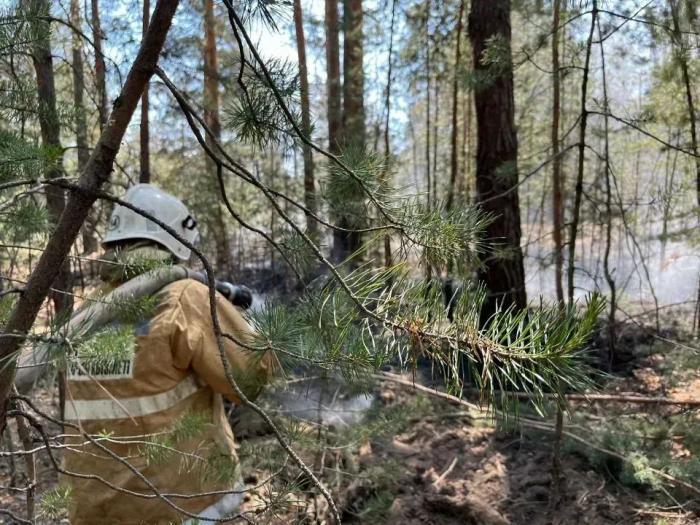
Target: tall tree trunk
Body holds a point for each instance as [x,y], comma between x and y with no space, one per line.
[387,142]
[608,210]
[353,76]
[100,70]
[333,85]
[578,192]
[557,216]
[97,172]
[454,153]
[428,181]
[101,87]
[467,147]
[309,183]
[436,124]
[557,208]
[145,152]
[81,134]
[346,243]
[681,49]
[212,119]
[51,140]
[496,161]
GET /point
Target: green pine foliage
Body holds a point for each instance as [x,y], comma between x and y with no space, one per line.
[254,114]
[106,349]
[163,447]
[54,503]
[383,316]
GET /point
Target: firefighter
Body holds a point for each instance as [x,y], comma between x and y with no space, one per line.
[158,405]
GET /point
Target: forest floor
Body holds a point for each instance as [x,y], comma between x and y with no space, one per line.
[413,458]
[438,463]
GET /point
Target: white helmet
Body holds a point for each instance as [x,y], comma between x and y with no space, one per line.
[127,224]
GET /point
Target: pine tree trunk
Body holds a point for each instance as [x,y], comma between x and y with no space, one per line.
[353,76]
[687,83]
[496,162]
[309,183]
[683,62]
[608,212]
[81,133]
[468,148]
[96,173]
[100,70]
[557,208]
[51,140]
[335,123]
[145,151]
[454,153]
[436,124]
[213,121]
[387,142]
[578,190]
[428,181]
[354,136]
[102,108]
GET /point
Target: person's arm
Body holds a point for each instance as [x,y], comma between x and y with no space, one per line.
[195,344]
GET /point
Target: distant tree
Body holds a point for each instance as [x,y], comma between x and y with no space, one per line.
[213,120]
[50,138]
[100,69]
[557,197]
[309,183]
[333,83]
[144,134]
[454,151]
[81,131]
[346,243]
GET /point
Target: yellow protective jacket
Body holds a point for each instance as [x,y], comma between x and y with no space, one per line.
[161,411]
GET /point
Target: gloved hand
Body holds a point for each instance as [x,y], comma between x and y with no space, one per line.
[237,294]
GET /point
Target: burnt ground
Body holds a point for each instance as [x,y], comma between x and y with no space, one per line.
[415,459]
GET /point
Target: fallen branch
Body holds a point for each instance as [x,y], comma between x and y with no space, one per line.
[532,423]
[613,398]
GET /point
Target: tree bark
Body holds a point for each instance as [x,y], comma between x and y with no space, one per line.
[51,140]
[96,174]
[557,208]
[100,69]
[387,142]
[346,243]
[144,135]
[496,161]
[428,181]
[454,153]
[81,133]
[309,183]
[212,119]
[335,123]
[353,76]
[608,212]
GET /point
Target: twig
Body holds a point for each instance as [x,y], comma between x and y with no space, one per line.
[15,517]
[444,475]
[30,462]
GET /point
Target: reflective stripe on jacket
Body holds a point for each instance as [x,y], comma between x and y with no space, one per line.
[132,405]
